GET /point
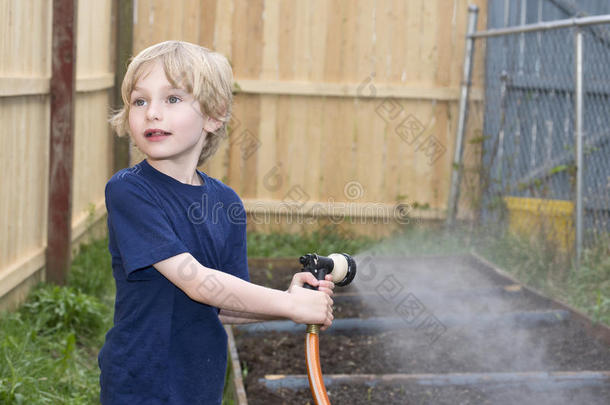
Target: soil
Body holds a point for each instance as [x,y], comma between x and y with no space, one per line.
[559,347]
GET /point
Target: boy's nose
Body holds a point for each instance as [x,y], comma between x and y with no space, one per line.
[153,112]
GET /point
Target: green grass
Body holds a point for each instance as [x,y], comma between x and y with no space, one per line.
[547,269]
[48,348]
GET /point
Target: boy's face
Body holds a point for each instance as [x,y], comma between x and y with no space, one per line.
[166,122]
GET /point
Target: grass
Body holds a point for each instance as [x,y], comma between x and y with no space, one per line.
[49,346]
[542,266]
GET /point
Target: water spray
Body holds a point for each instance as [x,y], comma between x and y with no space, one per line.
[343,269]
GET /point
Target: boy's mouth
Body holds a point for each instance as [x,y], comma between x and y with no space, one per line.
[155,133]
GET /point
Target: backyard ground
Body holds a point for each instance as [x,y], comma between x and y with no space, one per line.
[49,346]
[491,341]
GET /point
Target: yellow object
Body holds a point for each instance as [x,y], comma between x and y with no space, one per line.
[537,217]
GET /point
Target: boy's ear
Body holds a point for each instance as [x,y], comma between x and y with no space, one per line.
[211,124]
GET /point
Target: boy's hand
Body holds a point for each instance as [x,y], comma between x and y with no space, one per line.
[305,277]
[308,306]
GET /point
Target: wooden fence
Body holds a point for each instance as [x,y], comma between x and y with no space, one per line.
[25,74]
[342,107]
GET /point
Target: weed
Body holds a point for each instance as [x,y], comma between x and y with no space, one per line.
[53,309]
[48,348]
[541,265]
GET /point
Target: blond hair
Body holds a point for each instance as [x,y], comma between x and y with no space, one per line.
[205,74]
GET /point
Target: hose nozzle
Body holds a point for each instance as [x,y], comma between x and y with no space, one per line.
[339,265]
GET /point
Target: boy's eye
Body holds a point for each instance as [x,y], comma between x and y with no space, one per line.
[173,99]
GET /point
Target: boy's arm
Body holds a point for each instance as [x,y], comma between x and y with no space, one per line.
[228,317]
[225,291]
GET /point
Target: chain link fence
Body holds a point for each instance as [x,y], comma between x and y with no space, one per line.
[529,174]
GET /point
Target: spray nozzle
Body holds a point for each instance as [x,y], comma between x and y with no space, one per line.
[340,265]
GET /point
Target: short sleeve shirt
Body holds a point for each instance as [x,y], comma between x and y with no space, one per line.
[164,347]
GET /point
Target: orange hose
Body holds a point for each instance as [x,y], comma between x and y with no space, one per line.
[314,370]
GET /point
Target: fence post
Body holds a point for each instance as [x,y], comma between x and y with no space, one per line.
[456,168]
[62,94]
[124,49]
[578,124]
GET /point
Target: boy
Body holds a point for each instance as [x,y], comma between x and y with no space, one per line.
[178,239]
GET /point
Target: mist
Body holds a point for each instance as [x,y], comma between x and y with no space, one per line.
[453,316]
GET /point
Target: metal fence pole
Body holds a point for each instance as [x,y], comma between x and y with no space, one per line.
[454,192]
[578,132]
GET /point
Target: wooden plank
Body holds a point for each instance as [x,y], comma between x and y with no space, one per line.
[298,151]
[5,180]
[282,183]
[238,383]
[441,170]
[367,210]
[18,272]
[28,86]
[62,90]
[349,46]
[444,56]
[191,22]
[23,86]
[332,60]
[95,83]
[286,52]
[267,180]
[314,118]
[249,145]
[270,40]
[428,49]
[412,19]
[365,36]
[207,23]
[247,39]
[336,89]
[223,31]
[92,152]
[86,221]
[318,26]
[539,380]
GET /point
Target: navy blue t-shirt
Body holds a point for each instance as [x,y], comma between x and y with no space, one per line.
[165,348]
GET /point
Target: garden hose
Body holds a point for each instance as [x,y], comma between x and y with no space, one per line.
[314,369]
[343,269]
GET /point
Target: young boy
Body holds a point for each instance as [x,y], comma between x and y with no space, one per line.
[178,239]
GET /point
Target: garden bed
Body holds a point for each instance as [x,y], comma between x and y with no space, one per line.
[461,291]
